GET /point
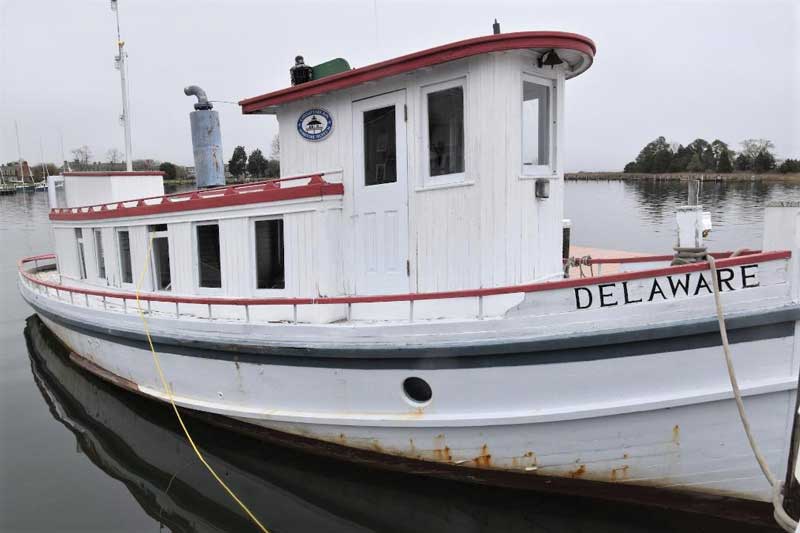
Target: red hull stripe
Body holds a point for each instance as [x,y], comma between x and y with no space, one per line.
[752,258]
[425,58]
[250,193]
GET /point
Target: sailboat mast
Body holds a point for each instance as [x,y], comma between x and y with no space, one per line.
[44,165]
[19,153]
[121,65]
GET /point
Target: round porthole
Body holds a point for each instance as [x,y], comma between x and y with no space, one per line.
[417,390]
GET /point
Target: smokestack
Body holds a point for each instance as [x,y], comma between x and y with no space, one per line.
[206,141]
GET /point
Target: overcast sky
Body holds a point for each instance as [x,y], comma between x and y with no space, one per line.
[682,69]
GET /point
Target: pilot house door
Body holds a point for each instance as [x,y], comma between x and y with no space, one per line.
[381,194]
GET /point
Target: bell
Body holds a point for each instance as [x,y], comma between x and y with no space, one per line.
[549,58]
[300,72]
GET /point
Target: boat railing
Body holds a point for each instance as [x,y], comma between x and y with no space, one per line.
[286,188]
[485,301]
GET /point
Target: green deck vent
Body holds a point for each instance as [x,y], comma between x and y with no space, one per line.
[329,68]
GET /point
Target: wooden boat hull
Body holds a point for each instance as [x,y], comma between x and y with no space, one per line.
[632,395]
[680,438]
[153,451]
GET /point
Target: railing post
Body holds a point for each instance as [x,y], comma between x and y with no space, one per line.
[124,305]
[294,313]
[209,311]
[349,311]
[148,307]
[177,311]
[247,313]
[86,297]
[58,293]
[104,303]
[71,298]
[480,306]
[411,310]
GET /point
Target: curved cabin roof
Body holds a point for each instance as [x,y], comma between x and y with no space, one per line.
[576,50]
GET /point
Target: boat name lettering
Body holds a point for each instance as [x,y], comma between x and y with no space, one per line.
[664,288]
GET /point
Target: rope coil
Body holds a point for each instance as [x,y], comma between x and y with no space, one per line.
[579,262]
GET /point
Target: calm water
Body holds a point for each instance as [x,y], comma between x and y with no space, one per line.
[79,455]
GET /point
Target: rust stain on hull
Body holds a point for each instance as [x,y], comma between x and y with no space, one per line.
[484,460]
[619,474]
[578,472]
[676,435]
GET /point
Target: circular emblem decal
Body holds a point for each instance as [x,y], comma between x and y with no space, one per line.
[314,124]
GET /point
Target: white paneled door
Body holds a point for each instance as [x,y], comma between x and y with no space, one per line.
[381,193]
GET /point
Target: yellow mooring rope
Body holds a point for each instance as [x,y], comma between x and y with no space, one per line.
[168,390]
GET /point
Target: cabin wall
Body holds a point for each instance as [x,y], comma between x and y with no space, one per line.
[86,190]
[489,230]
[131,187]
[111,256]
[181,257]
[66,247]
[312,251]
[93,190]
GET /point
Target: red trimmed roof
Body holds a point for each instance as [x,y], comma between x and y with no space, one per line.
[426,58]
[242,194]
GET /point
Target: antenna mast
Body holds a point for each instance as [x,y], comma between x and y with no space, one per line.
[120,63]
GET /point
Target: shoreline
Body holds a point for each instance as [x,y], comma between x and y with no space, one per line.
[683,176]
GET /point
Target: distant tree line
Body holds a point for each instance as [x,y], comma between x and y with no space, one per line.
[255,166]
[241,166]
[660,156]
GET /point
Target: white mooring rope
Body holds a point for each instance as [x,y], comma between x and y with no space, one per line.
[781,517]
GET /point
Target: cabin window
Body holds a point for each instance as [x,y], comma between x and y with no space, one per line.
[269,254]
[537,106]
[81,256]
[380,150]
[208,256]
[443,109]
[100,255]
[162,280]
[124,244]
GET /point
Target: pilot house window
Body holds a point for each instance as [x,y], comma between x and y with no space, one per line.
[208,256]
[162,279]
[536,126]
[380,154]
[99,254]
[81,253]
[445,114]
[269,254]
[124,244]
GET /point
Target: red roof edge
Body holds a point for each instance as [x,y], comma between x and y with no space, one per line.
[422,59]
[227,196]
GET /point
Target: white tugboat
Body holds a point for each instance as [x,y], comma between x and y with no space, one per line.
[398,294]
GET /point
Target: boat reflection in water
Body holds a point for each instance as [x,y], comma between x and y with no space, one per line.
[137,441]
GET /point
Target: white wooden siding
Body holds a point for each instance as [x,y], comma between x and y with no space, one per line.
[181,257]
[490,230]
[67,252]
[139,245]
[112,257]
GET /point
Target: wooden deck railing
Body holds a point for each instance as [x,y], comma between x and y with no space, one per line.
[46,261]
